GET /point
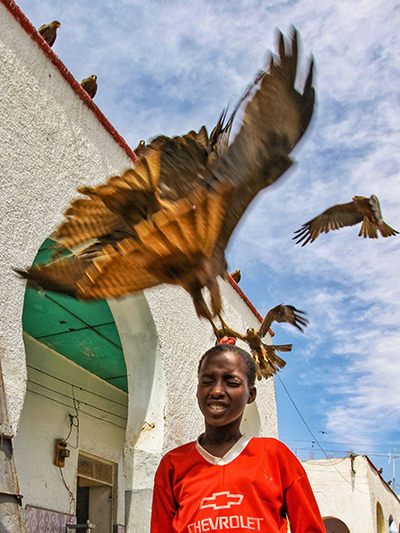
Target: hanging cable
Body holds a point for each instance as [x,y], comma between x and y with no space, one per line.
[314,437]
[80,401]
[78,387]
[82,411]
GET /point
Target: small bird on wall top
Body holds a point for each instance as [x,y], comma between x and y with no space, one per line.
[360,209]
[265,356]
[90,85]
[236,276]
[49,31]
[169,219]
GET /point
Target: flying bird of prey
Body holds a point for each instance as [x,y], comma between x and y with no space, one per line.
[169,219]
[236,276]
[49,31]
[360,209]
[90,85]
[265,356]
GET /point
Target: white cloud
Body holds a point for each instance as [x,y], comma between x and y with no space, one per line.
[167,67]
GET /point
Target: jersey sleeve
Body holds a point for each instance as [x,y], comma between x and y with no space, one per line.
[300,504]
[164,505]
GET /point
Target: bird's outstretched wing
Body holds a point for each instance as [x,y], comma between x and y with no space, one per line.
[116,206]
[335,217]
[283,313]
[145,228]
[166,249]
[275,118]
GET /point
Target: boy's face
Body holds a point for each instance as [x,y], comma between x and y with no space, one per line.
[223,390]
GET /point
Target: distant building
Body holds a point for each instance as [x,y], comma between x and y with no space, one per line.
[352,496]
[113,379]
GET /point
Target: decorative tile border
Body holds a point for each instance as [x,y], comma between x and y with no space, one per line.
[39,520]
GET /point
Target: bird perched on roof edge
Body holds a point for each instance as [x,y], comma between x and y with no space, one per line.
[236,275]
[49,31]
[90,85]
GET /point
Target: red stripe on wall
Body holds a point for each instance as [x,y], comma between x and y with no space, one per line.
[35,35]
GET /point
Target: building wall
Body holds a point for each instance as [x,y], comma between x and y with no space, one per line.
[54,383]
[352,494]
[50,142]
[163,340]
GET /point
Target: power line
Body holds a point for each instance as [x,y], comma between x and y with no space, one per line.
[78,387]
[70,406]
[313,436]
[80,401]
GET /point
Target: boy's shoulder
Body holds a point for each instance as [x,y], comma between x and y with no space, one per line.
[181,451]
[271,444]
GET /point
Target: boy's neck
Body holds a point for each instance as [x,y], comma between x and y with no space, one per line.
[219,440]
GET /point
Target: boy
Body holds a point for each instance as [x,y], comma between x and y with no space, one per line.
[226,481]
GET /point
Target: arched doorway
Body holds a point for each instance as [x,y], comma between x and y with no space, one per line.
[380,521]
[335,525]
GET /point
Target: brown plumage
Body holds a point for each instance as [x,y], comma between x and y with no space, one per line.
[169,219]
[90,85]
[360,209]
[236,276]
[265,356]
[49,31]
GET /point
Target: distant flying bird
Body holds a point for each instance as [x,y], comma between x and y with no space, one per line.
[265,357]
[361,209]
[169,219]
[90,85]
[49,31]
[236,276]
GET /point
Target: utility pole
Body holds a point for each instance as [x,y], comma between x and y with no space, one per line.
[11,512]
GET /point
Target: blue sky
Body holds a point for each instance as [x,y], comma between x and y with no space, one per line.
[171,66]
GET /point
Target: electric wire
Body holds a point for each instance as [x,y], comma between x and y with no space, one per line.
[80,401]
[69,407]
[315,438]
[77,386]
[71,494]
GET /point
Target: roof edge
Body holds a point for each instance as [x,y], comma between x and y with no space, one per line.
[26,24]
[244,297]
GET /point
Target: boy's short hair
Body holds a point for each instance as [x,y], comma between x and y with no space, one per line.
[245,356]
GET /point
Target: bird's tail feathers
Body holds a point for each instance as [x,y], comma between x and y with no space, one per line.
[368,229]
[386,230]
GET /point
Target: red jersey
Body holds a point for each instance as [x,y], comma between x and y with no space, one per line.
[254,487]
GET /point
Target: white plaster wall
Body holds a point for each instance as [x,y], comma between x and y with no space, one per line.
[183,339]
[50,142]
[349,496]
[163,340]
[44,419]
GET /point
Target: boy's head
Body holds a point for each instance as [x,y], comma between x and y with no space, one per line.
[225,385]
[245,356]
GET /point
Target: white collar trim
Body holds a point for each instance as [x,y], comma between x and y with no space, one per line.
[230,455]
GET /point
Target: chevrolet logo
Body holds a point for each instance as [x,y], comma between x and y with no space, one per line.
[221,500]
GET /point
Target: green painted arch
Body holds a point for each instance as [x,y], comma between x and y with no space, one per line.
[84,332]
